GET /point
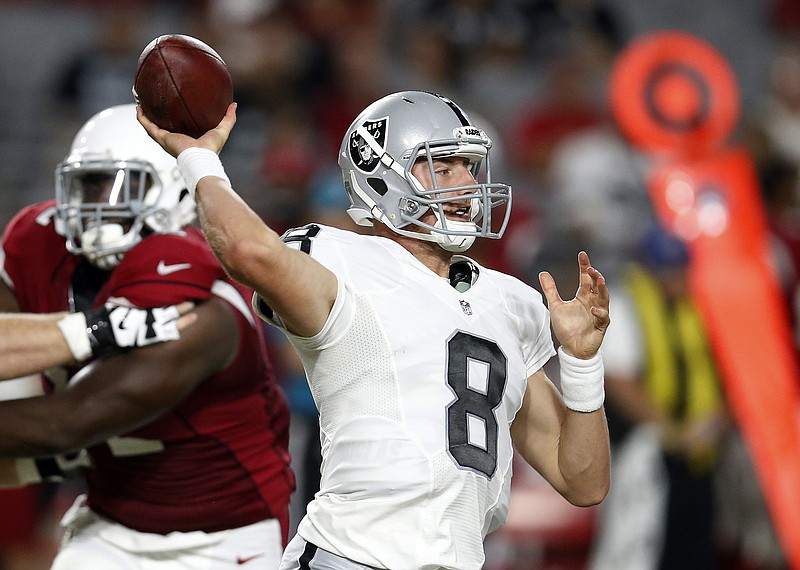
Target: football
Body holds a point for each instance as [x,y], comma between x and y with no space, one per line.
[182,84]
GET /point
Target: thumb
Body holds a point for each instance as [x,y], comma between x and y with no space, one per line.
[549,288]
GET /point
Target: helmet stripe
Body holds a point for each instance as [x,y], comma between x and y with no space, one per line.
[462,116]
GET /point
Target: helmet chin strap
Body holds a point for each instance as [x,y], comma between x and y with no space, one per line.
[454,243]
[448,242]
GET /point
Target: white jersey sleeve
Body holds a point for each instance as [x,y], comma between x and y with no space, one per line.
[416,385]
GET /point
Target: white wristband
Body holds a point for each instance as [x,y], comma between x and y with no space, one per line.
[73,327]
[195,163]
[582,384]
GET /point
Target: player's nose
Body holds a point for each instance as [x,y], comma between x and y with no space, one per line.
[467,176]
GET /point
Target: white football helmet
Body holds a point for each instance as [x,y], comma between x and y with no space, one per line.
[382,145]
[116,186]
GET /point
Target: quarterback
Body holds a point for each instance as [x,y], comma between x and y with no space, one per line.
[426,367]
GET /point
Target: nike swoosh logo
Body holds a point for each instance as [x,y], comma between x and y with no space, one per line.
[245,559]
[164,269]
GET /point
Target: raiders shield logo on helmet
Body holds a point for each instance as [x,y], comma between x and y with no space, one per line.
[363,154]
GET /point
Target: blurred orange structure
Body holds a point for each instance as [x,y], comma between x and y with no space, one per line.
[675,97]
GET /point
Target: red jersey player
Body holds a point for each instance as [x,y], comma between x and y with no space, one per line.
[187,440]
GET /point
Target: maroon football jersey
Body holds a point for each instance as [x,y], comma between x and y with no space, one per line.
[218,460]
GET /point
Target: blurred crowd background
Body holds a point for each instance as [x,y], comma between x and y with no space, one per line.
[533,73]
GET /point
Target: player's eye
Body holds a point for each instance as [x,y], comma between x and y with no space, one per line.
[92,187]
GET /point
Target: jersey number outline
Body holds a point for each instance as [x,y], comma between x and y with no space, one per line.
[302,235]
[475,401]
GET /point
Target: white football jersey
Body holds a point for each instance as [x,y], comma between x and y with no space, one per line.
[416,384]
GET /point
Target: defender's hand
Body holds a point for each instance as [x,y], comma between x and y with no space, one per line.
[112,327]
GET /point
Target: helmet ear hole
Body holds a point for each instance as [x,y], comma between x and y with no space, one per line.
[378,185]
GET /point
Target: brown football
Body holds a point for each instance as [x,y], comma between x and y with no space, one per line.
[182,84]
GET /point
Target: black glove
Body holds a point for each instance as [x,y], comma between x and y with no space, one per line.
[112,327]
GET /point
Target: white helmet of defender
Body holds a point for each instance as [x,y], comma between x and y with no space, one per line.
[116,186]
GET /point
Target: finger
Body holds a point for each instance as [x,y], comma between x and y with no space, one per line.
[218,136]
[599,286]
[584,265]
[228,120]
[149,126]
[583,260]
[142,118]
[230,115]
[549,288]
[602,317]
[186,321]
[184,307]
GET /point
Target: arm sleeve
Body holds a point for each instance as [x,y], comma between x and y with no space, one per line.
[335,327]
